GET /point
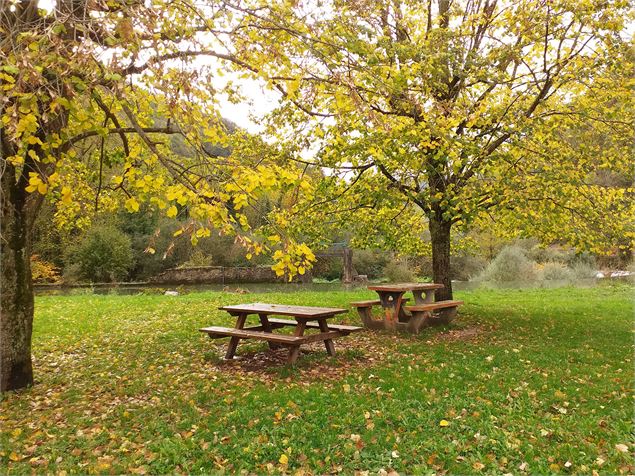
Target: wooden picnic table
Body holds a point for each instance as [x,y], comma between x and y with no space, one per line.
[305,317]
[398,316]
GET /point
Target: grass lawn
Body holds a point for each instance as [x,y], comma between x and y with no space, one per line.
[534,381]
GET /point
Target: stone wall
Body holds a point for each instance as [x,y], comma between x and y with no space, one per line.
[216,275]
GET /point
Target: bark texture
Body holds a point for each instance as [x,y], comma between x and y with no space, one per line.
[16,292]
[440,237]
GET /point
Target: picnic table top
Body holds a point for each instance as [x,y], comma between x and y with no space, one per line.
[403,287]
[284,310]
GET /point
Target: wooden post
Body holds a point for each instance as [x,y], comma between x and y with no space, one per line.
[348,265]
[233,342]
[294,350]
[266,326]
[328,343]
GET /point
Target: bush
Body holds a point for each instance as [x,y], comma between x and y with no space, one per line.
[511,264]
[583,271]
[104,255]
[550,254]
[370,262]
[43,271]
[328,268]
[554,271]
[398,271]
[198,258]
[466,267]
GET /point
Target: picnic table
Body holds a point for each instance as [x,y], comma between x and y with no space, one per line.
[398,316]
[304,317]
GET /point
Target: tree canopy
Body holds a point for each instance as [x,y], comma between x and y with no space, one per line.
[457,109]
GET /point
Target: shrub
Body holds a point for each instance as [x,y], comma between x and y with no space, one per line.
[398,271]
[104,255]
[44,272]
[466,267]
[584,258]
[550,254]
[370,262]
[328,268]
[197,258]
[511,264]
[554,271]
[583,270]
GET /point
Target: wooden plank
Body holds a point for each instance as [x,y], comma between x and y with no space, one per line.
[233,342]
[404,287]
[247,334]
[284,310]
[266,326]
[315,325]
[294,351]
[434,305]
[328,343]
[321,336]
[375,302]
[254,328]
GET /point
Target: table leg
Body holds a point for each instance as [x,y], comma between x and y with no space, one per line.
[392,304]
[423,296]
[233,341]
[266,326]
[328,343]
[294,351]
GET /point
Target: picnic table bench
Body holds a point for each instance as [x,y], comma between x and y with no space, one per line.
[305,317]
[398,316]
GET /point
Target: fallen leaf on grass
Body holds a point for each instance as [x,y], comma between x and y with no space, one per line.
[284,459]
[444,423]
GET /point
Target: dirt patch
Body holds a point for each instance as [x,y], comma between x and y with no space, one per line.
[352,352]
[356,351]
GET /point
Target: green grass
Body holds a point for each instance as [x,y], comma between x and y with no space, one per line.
[535,380]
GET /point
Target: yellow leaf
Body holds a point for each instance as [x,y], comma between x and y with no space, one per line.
[14,456]
[42,188]
[283,459]
[66,195]
[172,211]
[132,205]
[444,423]
[621,447]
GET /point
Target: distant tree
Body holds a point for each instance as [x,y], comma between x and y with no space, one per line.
[103,255]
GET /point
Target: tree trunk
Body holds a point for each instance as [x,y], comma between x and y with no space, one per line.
[440,237]
[16,292]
